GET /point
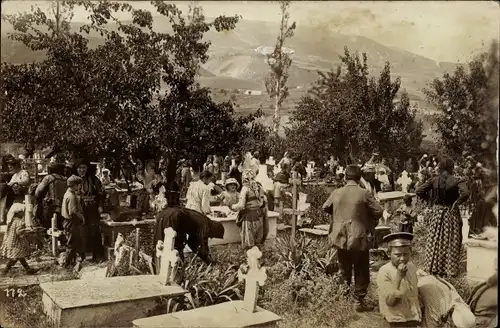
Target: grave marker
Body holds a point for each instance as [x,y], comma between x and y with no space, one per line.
[256,276]
[232,314]
[404,181]
[55,234]
[169,258]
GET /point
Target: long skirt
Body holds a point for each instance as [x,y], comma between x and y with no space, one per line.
[91,231]
[444,242]
[14,245]
[253,227]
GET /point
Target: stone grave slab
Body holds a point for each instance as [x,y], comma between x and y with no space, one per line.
[392,196]
[224,315]
[322,227]
[229,314]
[112,301]
[106,302]
[315,232]
[481,255]
[231,230]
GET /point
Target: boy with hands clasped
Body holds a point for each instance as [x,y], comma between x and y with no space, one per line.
[397,284]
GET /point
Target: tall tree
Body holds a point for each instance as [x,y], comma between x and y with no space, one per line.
[279,62]
[135,94]
[349,114]
[468,105]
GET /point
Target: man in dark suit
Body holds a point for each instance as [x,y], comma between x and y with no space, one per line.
[355,216]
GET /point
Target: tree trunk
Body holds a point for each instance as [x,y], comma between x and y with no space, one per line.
[171,173]
[276,117]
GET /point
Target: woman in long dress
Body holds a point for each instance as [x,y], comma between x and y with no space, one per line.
[444,239]
[92,201]
[252,207]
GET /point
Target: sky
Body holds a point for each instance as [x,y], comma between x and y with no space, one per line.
[450,31]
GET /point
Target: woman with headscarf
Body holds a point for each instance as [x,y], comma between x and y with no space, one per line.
[444,239]
[92,198]
[252,207]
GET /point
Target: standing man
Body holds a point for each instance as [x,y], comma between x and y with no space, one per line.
[355,216]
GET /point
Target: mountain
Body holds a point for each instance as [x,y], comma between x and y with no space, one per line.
[238,61]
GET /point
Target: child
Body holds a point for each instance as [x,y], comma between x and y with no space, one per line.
[72,213]
[105,179]
[15,245]
[407,215]
[397,284]
[230,196]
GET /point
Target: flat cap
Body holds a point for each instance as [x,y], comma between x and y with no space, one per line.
[398,239]
[74,180]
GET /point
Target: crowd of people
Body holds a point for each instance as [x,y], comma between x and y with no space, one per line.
[75,195]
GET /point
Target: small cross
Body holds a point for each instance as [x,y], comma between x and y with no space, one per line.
[404,181]
[254,277]
[169,257]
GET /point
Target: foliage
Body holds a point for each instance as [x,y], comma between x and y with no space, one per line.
[350,114]
[468,105]
[279,63]
[135,94]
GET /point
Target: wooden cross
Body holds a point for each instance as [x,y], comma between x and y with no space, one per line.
[169,258]
[254,276]
[28,212]
[55,234]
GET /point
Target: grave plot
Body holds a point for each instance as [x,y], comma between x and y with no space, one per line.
[111,302]
[229,314]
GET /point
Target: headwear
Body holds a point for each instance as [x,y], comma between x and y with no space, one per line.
[232,181]
[13,161]
[281,178]
[248,177]
[398,239]
[74,180]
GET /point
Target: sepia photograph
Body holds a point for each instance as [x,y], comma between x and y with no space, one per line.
[285,164]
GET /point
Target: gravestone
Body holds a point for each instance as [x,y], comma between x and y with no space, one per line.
[169,258]
[309,171]
[404,181]
[235,314]
[263,179]
[107,302]
[55,234]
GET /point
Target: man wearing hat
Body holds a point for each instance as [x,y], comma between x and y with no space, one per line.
[20,176]
[355,216]
[397,284]
[72,213]
[49,195]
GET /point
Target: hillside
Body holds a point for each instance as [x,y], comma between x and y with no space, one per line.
[235,64]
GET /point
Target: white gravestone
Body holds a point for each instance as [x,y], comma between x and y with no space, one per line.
[169,257]
[309,171]
[404,181]
[263,179]
[254,276]
[302,205]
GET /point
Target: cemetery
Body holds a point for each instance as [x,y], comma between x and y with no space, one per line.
[249,295]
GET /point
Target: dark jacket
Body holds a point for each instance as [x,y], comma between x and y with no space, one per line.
[190,225]
[355,216]
[452,190]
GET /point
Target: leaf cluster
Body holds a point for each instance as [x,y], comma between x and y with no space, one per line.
[135,94]
[467,101]
[350,114]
